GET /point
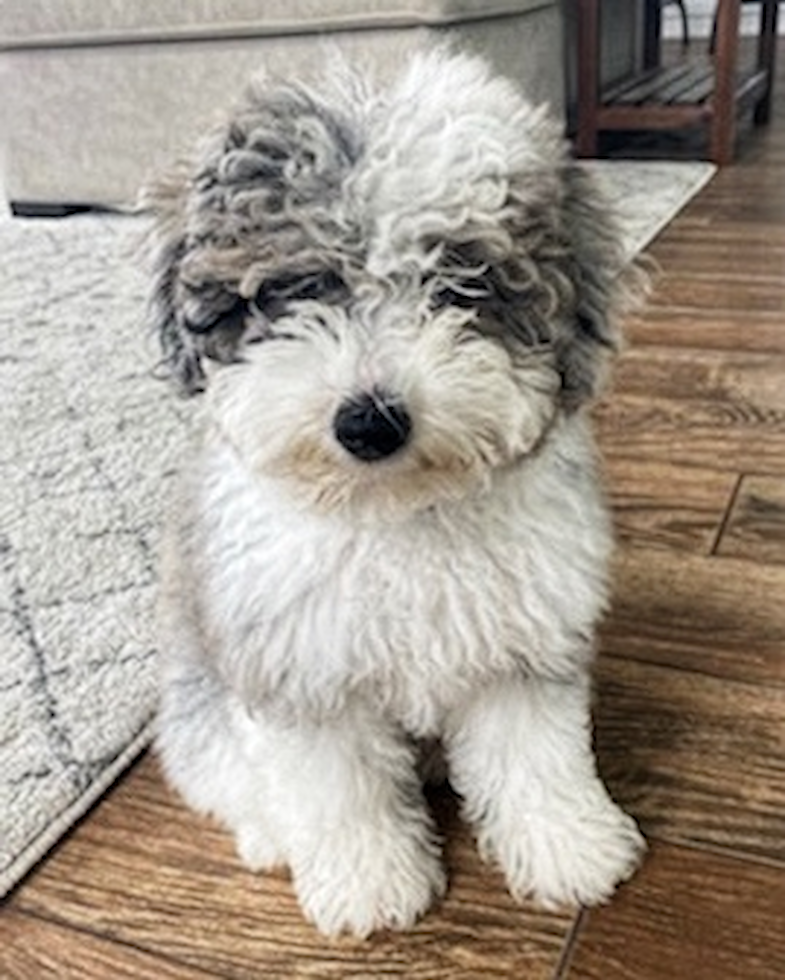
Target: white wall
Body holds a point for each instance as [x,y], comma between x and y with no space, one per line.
[701,14]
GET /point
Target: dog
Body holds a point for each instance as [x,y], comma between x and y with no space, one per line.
[399,301]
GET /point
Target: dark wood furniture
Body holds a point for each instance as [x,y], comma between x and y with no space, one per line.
[691,93]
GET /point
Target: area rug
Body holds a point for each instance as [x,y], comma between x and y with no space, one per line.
[90,441]
[647,195]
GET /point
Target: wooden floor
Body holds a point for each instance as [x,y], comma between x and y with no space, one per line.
[691,694]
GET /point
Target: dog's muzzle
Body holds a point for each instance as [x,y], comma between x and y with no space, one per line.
[372,426]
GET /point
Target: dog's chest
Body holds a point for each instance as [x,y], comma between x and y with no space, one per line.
[412,616]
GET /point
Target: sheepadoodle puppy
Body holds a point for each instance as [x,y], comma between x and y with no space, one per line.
[398,300]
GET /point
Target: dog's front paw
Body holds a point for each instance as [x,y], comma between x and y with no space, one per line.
[567,858]
[366,879]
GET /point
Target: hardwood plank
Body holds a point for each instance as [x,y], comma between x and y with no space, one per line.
[693,375]
[719,616]
[744,194]
[749,178]
[696,250]
[730,438]
[666,506]
[32,949]
[744,294]
[148,872]
[756,528]
[687,914]
[714,409]
[726,207]
[696,235]
[697,759]
[707,330]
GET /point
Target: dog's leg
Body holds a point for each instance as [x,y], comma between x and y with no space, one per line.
[357,835]
[207,745]
[339,802]
[520,755]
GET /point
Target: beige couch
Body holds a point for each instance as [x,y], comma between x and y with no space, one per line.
[96,94]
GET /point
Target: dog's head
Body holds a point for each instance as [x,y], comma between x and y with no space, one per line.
[406,287]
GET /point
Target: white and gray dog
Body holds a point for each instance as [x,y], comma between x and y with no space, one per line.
[403,298]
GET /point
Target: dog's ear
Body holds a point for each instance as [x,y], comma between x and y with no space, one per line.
[196,309]
[602,283]
[255,205]
[165,200]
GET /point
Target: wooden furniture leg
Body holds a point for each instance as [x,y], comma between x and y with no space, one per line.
[722,126]
[588,77]
[767,51]
[652,33]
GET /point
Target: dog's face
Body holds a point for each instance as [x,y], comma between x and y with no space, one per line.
[405,289]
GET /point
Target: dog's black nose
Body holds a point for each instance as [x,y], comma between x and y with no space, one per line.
[372,427]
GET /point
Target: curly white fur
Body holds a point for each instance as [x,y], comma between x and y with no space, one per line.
[430,254]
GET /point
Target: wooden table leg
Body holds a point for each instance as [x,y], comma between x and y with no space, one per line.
[722,127]
[652,33]
[588,77]
[767,51]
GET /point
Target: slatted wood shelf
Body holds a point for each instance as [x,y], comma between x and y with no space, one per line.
[672,97]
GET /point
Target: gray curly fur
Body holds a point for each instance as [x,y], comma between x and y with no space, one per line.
[266,206]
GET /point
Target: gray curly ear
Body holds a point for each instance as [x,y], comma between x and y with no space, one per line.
[604,282]
[253,206]
[165,200]
[567,276]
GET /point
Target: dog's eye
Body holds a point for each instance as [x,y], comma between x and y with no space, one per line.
[209,306]
[320,284]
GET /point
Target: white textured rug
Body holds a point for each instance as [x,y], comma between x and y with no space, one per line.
[89,442]
[648,194]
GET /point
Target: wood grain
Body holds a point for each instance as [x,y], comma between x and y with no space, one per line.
[756,529]
[34,949]
[743,295]
[664,506]
[748,193]
[706,330]
[697,759]
[710,252]
[722,377]
[730,437]
[687,914]
[151,874]
[717,409]
[713,409]
[724,617]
